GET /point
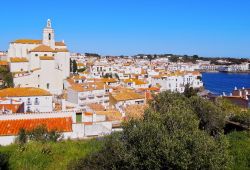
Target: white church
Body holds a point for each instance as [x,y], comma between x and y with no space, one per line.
[40,63]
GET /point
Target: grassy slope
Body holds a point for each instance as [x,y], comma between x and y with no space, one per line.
[49,155]
[240,149]
[58,155]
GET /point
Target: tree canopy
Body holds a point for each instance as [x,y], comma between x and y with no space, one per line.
[174,133]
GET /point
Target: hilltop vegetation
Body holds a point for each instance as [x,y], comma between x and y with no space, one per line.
[194,58]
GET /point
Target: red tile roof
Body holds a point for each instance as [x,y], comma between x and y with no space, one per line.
[43,48]
[23,91]
[12,127]
[59,43]
[13,107]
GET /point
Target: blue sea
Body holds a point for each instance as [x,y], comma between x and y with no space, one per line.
[218,83]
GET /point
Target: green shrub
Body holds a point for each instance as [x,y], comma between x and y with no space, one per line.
[4,161]
[240,149]
[39,133]
[168,137]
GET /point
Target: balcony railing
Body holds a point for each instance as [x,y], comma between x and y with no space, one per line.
[91,95]
[82,98]
[82,104]
[99,96]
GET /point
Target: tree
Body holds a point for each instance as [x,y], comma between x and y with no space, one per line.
[168,137]
[108,75]
[74,66]
[39,134]
[82,69]
[71,65]
[117,76]
[189,91]
[22,137]
[212,118]
[6,76]
[8,79]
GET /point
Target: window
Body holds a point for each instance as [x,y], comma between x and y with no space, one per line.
[49,36]
[36,55]
[47,85]
[36,101]
[28,101]
[28,109]
[38,75]
[45,54]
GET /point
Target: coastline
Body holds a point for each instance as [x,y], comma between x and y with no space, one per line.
[220,82]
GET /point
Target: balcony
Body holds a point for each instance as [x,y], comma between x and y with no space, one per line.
[82,104]
[83,98]
[91,96]
[99,96]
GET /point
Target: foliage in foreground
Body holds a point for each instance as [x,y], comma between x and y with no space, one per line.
[240,149]
[50,155]
[175,133]
[39,134]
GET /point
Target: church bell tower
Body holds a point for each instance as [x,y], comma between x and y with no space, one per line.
[49,35]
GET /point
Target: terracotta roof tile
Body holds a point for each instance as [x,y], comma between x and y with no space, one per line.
[3,63]
[28,41]
[61,50]
[23,91]
[18,59]
[13,107]
[126,95]
[60,44]
[43,48]
[46,58]
[12,127]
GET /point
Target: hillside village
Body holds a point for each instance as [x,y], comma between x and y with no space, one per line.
[83,95]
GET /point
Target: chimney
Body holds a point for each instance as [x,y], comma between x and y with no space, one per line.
[235,88]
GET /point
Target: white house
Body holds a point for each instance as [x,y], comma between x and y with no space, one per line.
[91,92]
[34,99]
[176,82]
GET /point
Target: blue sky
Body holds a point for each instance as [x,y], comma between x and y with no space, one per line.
[116,27]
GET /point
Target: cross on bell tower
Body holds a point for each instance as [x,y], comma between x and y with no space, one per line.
[49,35]
[48,23]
